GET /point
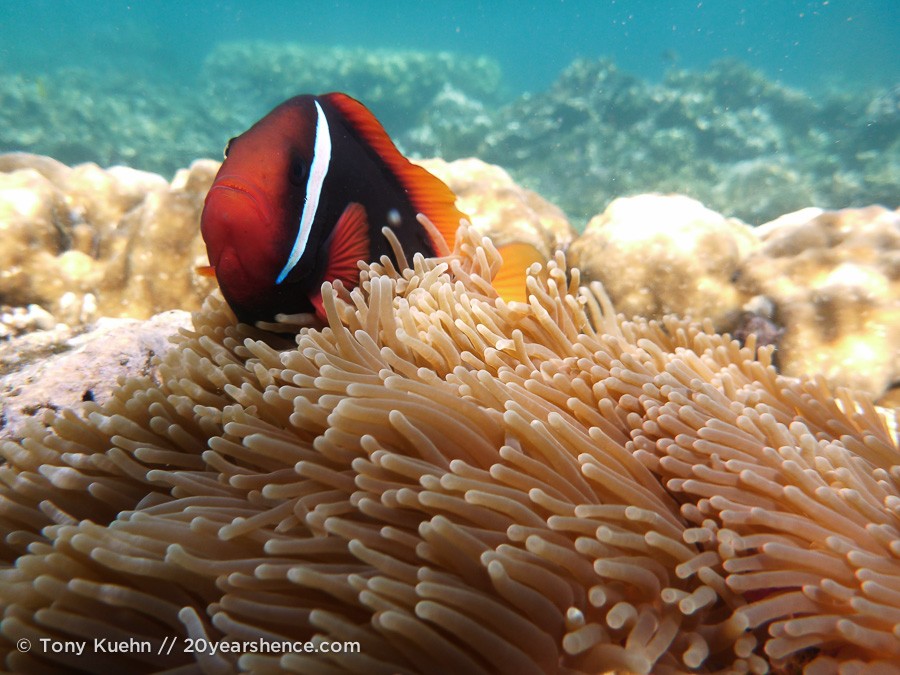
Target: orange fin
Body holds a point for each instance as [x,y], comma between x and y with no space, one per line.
[427,193]
[347,245]
[206,271]
[509,282]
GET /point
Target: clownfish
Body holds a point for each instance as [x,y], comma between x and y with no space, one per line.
[303,195]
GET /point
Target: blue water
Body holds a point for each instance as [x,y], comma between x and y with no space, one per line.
[820,44]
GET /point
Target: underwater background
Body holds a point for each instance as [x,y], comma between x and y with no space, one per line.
[754,107]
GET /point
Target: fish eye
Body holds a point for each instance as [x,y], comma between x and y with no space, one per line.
[297,171]
[228,146]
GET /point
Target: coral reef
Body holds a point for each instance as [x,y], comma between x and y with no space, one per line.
[83,242]
[24,320]
[742,144]
[833,278]
[451,126]
[666,254]
[460,485]
[738,142]
[249,78]
[58,367]
[820,285]
[77,115]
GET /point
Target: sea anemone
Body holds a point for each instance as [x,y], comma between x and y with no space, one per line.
[458,484]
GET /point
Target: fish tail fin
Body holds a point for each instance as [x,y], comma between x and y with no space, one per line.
[509,282]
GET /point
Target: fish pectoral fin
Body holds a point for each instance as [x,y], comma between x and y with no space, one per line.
[206,271]
[349,243]
[509,282]
[345,247]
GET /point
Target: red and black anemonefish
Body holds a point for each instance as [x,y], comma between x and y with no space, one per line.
[303,195]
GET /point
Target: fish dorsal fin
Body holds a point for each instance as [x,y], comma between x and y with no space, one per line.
[347,245]
[427,193]
[509,282]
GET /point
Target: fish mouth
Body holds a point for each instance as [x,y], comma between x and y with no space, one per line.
[230,186]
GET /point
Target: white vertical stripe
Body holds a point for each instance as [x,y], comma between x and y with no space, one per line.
[317,172]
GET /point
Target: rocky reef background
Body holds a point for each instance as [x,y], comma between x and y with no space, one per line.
[690,196]
[728,136]
[334,467]
[91,250]
[744,145]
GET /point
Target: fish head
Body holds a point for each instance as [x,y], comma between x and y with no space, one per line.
[253,211]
